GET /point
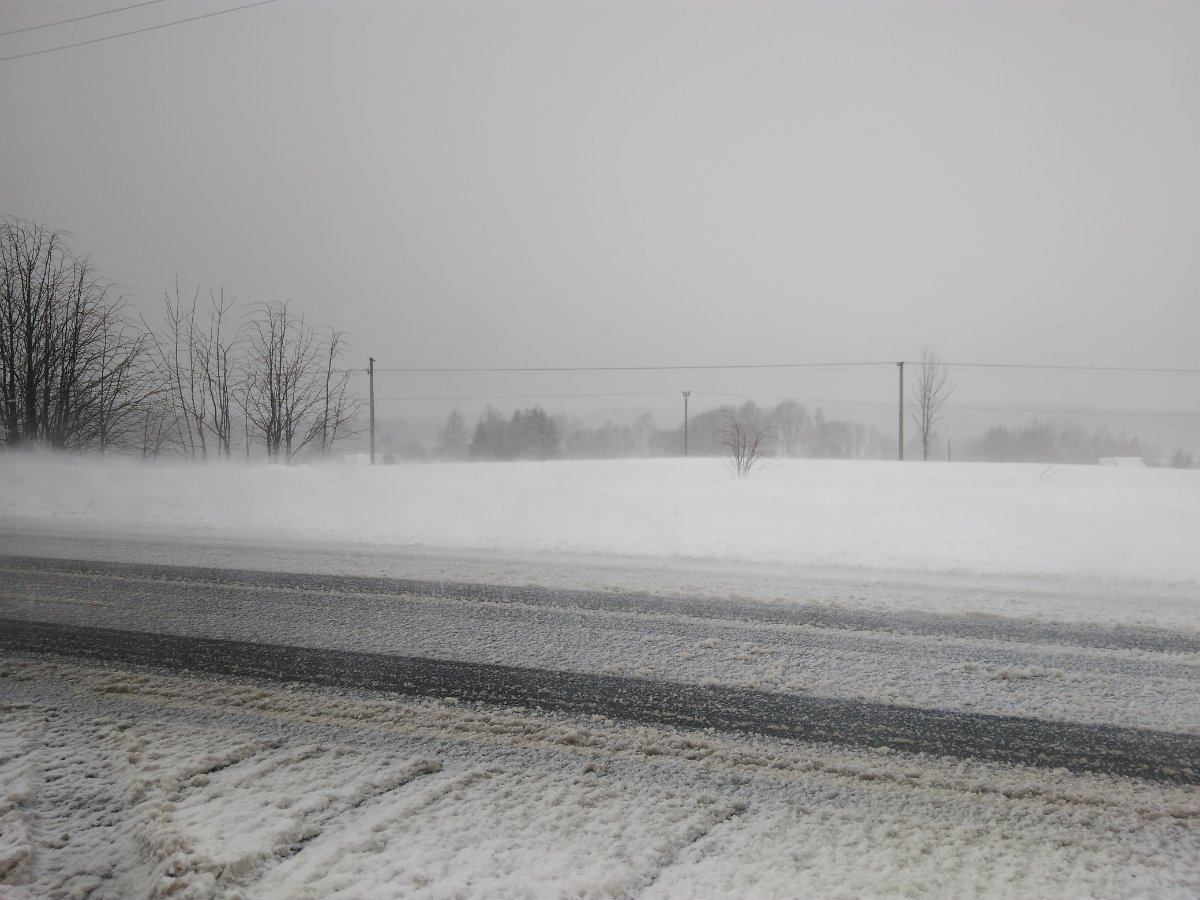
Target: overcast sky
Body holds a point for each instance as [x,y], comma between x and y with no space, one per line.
[631,183]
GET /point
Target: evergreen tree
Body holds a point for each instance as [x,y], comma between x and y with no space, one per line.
[490,440]
[533,435]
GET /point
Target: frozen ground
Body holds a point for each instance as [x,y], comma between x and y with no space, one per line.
[121,784]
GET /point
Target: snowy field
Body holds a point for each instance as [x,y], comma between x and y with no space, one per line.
[1071,542]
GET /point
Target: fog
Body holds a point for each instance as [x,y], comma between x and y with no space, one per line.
[503,184]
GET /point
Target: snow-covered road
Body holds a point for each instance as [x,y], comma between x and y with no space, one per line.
[1133,678]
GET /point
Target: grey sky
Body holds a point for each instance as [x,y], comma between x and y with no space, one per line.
[562,183]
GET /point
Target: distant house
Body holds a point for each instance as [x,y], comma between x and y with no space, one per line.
[1127,462]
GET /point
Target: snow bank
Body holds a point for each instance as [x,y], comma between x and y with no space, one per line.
[1087,521]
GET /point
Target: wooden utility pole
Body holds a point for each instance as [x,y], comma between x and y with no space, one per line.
[371,379]
[901,453]
[686,394]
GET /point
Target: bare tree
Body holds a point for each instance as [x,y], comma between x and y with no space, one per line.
[69,360]
[790,419]
[292,393]
[929,395]
[214,350]
[155,417]
[196,370]
[121,384]
[339,408]
[748,445]
[180,372]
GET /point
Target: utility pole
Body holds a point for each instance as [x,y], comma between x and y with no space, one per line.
[371,378]
[686,394]
[901,365]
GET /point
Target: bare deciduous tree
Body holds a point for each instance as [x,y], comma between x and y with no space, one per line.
[790,419]
[122,383]
[197,370]
[339,408]
[69,362]
[747,445]
[180,373]
[156,418]
[214,350]
[292,393]
[929,395]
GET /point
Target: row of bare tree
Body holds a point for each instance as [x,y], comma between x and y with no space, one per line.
[271,369]
[77,373]
[70,360]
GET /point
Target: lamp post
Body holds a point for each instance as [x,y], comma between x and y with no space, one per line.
[686,394]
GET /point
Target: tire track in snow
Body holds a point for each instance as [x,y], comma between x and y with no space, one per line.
[698,832]
[293,870]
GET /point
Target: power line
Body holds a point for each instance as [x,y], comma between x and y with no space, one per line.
[532,396]
[497,369]
[465,370]
[1050,411]
[1042,410]
[107,12]
[1126,369]
[743,397]
[111,37]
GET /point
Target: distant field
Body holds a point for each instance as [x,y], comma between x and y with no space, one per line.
[1065,521]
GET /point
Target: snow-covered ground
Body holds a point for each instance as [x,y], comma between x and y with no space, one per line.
[118,783]
[125,784]
[978,518]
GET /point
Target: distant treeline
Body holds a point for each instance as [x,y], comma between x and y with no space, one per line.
[793,431]
[1047,442]
[532,433]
